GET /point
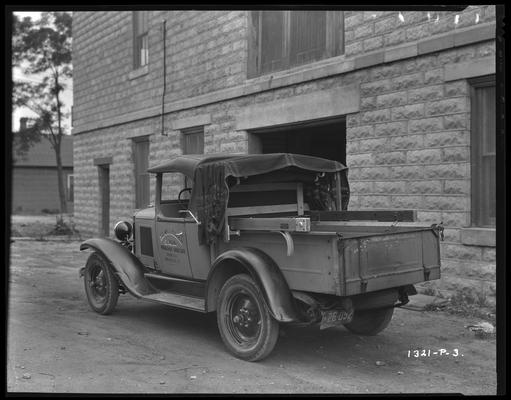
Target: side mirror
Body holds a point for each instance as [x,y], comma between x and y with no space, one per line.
[191,214]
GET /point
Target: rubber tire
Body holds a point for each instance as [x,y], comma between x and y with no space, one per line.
[111,284]
[370,322]
[269,331]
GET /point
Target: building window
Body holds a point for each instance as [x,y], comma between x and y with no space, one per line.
[140,39]
[141,158]
[70,187]
[192,143]
[193,140]
[483,115]
[283,39]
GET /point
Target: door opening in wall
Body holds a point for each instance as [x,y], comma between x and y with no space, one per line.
[326,139]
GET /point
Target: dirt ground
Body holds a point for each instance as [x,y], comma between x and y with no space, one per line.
[57,344]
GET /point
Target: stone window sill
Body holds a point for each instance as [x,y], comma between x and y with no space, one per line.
[139,72]
[478,236]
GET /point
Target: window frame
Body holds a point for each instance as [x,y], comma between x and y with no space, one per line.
[141,199]
[479,216]
[334,41]
[140,39]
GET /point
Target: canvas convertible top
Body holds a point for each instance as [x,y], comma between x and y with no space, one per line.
[210,174]
[239,165]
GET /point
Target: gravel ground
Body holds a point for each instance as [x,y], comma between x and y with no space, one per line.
[56,344]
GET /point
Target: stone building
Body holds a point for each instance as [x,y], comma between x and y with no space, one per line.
[405,99]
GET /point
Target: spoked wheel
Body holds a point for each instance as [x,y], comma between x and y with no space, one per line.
[101,285]
[370,322]
[245,324]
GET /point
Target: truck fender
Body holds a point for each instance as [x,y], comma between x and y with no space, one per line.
[127,267]
[263,270]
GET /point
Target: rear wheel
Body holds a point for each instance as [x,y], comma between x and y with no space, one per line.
[245,324]
[101,285]
[370,322]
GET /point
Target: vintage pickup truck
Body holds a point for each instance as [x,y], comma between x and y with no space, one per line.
[263,240]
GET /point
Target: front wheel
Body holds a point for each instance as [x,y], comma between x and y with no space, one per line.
[245,324]
[101,285]
[370,322]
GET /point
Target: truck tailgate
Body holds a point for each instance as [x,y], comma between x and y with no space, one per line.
[380,260]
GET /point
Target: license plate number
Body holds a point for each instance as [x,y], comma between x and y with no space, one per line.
[331,318]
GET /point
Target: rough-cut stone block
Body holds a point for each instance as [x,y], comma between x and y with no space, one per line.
[352,146]
[457,186]
[422,186]
[406,201]
[374,173]
[392,157]
[424,125]
[361,187]
[368,103]
[489,254]
[456,218]
[447,106]
[443,202]
[391,99]
[406,142]
[353,49]
[407,81]
[425,93]
[363,159]
[456,154]
[390,187]
[375,88]
[377,144]
[461,252]
[375,116]
[385,24]
[456,121]
[372,201]
[385,71]
[390,128]
[417,32]
[363,30]
[447,138]
[361,131]
[373,43]
[448,171]
[431,217]
[407,172]
[412,111]
[394,37]
[426,156]
[434,76]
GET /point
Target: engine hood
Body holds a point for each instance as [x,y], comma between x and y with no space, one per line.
[145,213]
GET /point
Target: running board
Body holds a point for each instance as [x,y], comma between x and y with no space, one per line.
[177,300]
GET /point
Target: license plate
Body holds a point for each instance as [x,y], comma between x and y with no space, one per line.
[331,318]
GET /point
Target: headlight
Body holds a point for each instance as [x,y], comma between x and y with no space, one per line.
[123,230]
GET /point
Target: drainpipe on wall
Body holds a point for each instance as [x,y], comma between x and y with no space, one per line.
[163,32]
